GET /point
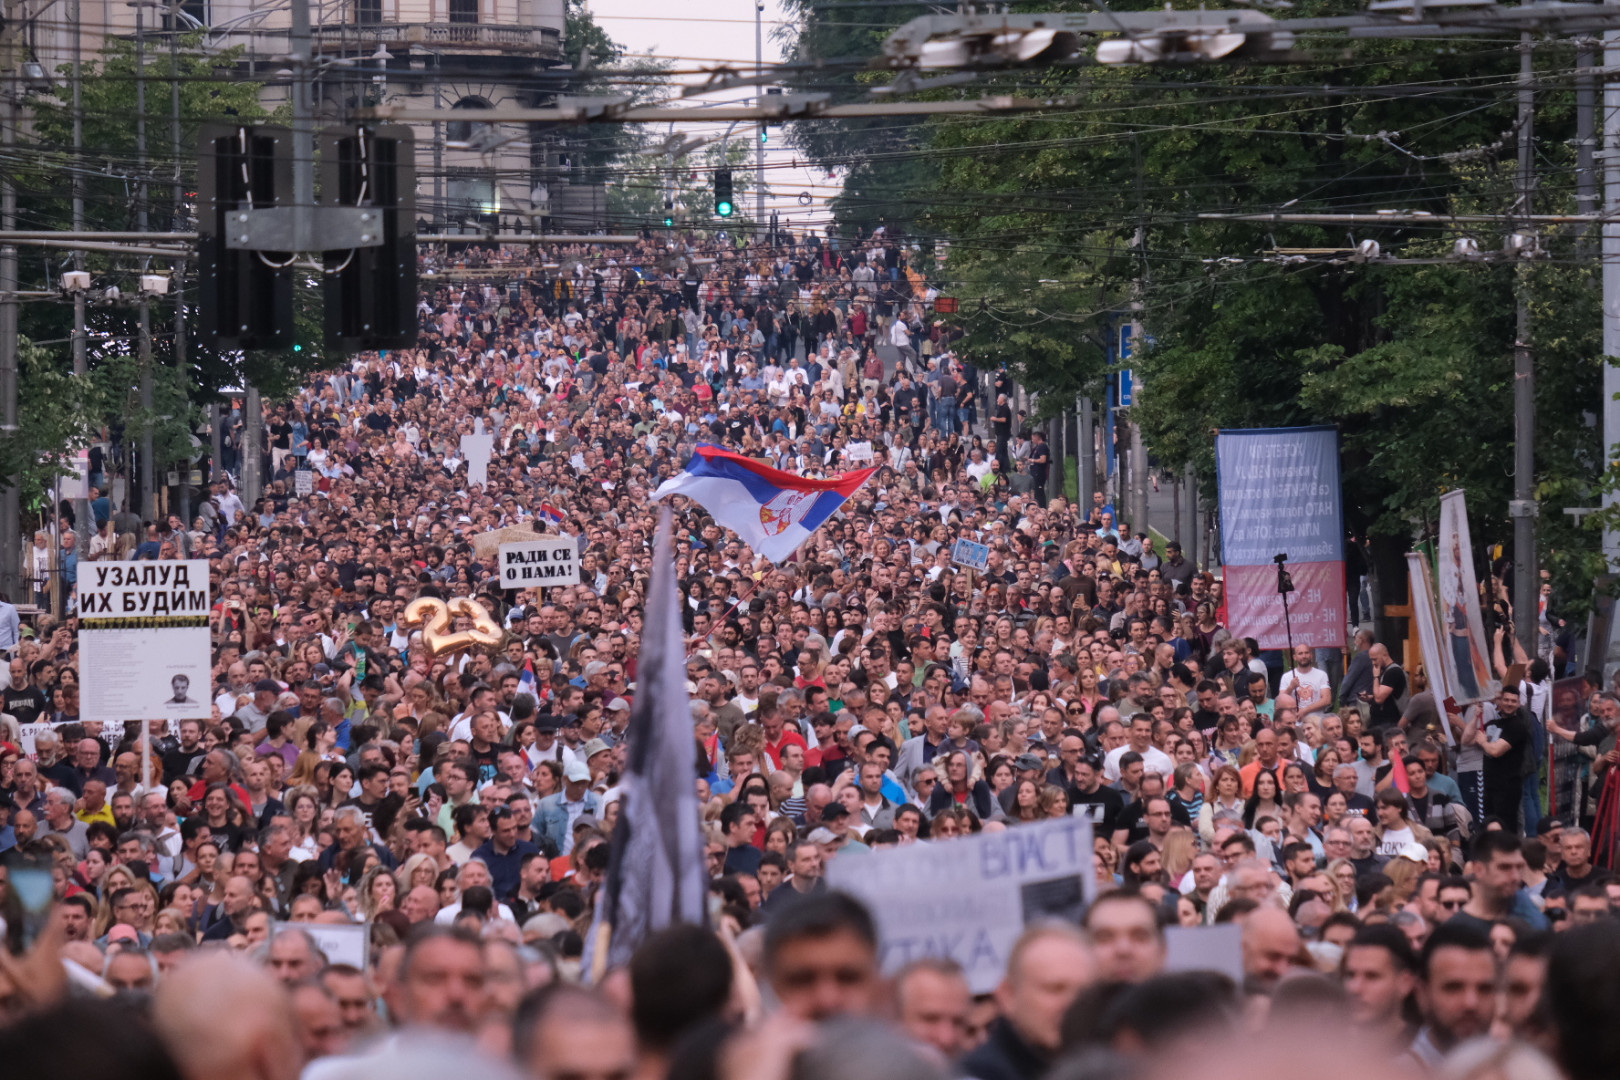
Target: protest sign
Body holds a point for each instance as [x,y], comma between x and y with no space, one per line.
[1205,948]
[343,943]
[970,898]
[144,643]
[539,563]
[973,556]
[303,482]
[859,453]
[1280,496]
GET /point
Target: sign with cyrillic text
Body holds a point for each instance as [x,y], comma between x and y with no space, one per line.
[538,564]
[969,899]
[144,645]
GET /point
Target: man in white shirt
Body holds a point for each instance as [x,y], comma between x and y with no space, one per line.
[1140,741]
[1307,683]
[472,874]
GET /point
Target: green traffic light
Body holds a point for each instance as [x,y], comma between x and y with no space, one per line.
[669,223]
[723,208]
[297,347]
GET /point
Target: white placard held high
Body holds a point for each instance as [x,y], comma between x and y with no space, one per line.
[144,643]
[539,563]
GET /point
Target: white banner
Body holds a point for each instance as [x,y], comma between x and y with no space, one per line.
[536,564]
[144,643]
[1466,652]
[969,899]
[1429,636]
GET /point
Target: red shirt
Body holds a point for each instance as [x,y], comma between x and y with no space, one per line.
[789,738]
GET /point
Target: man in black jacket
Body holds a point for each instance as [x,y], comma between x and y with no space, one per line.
[1046,971]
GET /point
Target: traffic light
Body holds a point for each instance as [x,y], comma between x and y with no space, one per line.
[723,206]
[669,213]
[371,291]
[244,297]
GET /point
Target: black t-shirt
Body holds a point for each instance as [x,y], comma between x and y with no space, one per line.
[25,705]
[487,761]
[178,762]
[1131,819]
[1102,808]
[1387,712]
[1205,719]
[1504,775]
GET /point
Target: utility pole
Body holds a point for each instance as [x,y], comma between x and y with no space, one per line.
[148,405]
[759,142]
[438,146]
[1189,530]
[1522,509]
[11,581]
[178,269]
[1086,457]
[81,367]
[252,447]
[1611,290]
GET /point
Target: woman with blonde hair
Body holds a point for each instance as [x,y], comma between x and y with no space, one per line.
[303,770]
[1342,872]
[419,869]
[378,892]
[1180,848]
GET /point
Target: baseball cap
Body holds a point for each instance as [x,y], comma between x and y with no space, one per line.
[1029,761]
[618,705]
[833,811]
[822,836]
[575,772]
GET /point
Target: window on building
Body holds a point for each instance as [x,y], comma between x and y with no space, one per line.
[367,12]
[463,130]
[463,11]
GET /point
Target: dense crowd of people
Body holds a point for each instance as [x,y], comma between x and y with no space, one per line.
[370,845]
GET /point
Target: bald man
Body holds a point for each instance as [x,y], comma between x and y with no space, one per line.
[1271,944]
[261,1041]
[1046,971]
[569,1031]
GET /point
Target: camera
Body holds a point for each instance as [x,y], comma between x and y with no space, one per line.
[1279,559]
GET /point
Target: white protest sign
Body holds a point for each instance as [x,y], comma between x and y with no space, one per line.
[343,943]
[859,453]
[303,482]
[534,564]
[144,644]
[476,450]
[971,555]
[969,899]
[1205,948]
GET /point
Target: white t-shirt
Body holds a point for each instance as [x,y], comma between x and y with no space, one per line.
[1154,760]
[1394,840]
[1312,685]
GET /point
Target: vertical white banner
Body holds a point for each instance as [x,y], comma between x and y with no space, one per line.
[1466,652]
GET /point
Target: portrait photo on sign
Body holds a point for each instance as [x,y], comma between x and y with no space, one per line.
[1465,651]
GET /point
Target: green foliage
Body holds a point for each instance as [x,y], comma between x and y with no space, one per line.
[1060,226]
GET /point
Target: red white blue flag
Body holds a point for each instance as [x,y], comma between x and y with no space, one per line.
[774,512]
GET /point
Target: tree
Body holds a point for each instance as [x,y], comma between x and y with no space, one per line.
[1063,225]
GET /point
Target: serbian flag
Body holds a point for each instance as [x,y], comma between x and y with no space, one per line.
[550,513]
[774,512]
[526,680]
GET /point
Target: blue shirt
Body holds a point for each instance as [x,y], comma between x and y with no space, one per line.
[506,870]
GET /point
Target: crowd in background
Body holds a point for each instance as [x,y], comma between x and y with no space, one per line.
[1397,887]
